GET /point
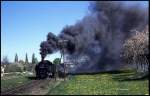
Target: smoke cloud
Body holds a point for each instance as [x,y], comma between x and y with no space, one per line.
[99,36]
[49,46]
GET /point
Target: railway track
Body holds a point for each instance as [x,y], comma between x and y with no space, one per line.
[28,88]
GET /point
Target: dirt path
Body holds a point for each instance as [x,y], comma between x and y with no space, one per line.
[31,88]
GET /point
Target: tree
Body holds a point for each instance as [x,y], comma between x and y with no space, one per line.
[21,61]
[21,64]
[16,58]
[34,59]
[26,60]
[5,60]
[57,61]
[135,50]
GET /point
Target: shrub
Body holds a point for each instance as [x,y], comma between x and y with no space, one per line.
[30,67]
[13,68]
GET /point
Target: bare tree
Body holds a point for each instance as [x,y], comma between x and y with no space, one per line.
[5,60]
[136,50]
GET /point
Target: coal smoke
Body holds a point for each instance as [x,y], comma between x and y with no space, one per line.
[99,35]
[49,46]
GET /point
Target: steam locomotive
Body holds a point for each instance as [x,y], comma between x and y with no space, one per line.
[46,69]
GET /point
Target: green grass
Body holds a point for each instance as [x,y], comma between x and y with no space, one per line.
[13,80]
[102,84]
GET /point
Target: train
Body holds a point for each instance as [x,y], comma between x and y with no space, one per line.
[46,69]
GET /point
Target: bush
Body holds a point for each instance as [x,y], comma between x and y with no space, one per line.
[57,61]
[13,68]
[30,67]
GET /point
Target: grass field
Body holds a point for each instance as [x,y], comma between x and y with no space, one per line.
[112,83]
[102,84]
[13,80]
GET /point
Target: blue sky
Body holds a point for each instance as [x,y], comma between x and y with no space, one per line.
[24,24]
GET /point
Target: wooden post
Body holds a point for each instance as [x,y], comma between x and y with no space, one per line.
[64,65]
[55,74]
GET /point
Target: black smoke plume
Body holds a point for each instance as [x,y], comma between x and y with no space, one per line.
[99,36]
[49,46]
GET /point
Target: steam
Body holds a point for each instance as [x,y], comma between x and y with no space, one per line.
[99,35]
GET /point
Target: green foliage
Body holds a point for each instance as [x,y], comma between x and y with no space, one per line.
[13,68]
[57,61]
[34,59]
[23,65]
[26,60]
[16,58]
[21,62]
[30,67]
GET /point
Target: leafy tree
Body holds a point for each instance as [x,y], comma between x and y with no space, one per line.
[57,61]
[16,58]
[22,64]
[34,59]
[21,61]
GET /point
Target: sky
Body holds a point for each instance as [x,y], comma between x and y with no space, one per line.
[25,24]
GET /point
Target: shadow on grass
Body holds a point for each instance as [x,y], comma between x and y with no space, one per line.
[102,72]
[136,79]
[133,77]
[32,78]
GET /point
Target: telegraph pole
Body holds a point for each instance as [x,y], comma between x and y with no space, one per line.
[62,44]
